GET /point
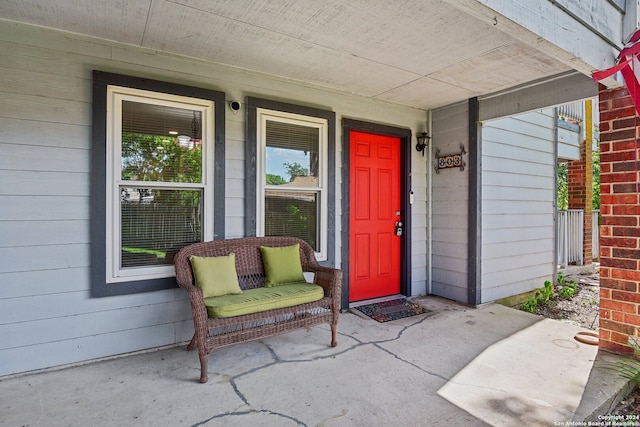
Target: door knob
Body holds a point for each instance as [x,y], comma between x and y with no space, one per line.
[398,228]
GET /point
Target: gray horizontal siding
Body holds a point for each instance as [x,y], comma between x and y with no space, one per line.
[79,349]
[34,258]
[499,235]
[85,325]
[38,207]
[43,282]
[43,158]
[44,133]
[527,281]
[517,260]
[511,194]
[518,191]
[450,193]
[37,108]
[24,183]
[43,232]
[496,178]
[52,305]
[513,220]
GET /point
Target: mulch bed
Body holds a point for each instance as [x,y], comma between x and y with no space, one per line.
[583,309]
[630,405]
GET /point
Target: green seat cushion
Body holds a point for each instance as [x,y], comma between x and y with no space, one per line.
[263,299]
[216,276]
[282,265]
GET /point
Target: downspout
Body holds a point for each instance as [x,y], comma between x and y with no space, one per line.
[429,204]
[588,154]
[555,194]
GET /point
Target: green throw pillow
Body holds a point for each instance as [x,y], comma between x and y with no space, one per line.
[282,265]
[216,276]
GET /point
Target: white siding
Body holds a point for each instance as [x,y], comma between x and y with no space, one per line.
[568,144]
[47,316]
[518,181]
[450,198]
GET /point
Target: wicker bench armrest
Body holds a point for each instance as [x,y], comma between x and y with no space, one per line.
[329,278]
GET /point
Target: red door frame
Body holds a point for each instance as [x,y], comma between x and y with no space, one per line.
[405,136]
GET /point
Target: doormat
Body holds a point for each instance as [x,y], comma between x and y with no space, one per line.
[391,310]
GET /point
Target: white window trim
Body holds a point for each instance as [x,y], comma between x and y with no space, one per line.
[115,96]
[262,115]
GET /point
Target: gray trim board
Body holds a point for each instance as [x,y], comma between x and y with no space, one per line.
[406,146]
[98,233]
[474,257]
[250,165]
[621,5]
[565,125]
[555,90]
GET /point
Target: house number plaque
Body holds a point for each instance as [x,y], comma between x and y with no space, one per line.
[450,160]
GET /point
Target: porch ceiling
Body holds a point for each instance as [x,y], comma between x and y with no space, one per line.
[420,53]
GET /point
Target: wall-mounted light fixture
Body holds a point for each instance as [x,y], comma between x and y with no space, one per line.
[423,142]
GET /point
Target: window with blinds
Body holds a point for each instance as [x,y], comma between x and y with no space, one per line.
[159,187]
[292,185]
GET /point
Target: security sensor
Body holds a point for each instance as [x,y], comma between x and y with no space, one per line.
[235,106]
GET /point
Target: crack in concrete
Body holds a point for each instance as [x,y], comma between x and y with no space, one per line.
[402,331]
[273,352]
[277,360]
[249,412]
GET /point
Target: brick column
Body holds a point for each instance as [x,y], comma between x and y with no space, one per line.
[580,186]
[620,214]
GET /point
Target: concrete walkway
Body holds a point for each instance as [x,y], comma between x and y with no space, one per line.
[456,366]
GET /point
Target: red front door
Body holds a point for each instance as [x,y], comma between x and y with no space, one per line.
[374,269]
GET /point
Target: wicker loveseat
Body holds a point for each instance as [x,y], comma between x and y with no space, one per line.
[214,332]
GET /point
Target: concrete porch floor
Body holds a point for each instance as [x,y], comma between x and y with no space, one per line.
[456,366]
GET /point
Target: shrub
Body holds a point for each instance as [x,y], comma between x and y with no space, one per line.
[566,289]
